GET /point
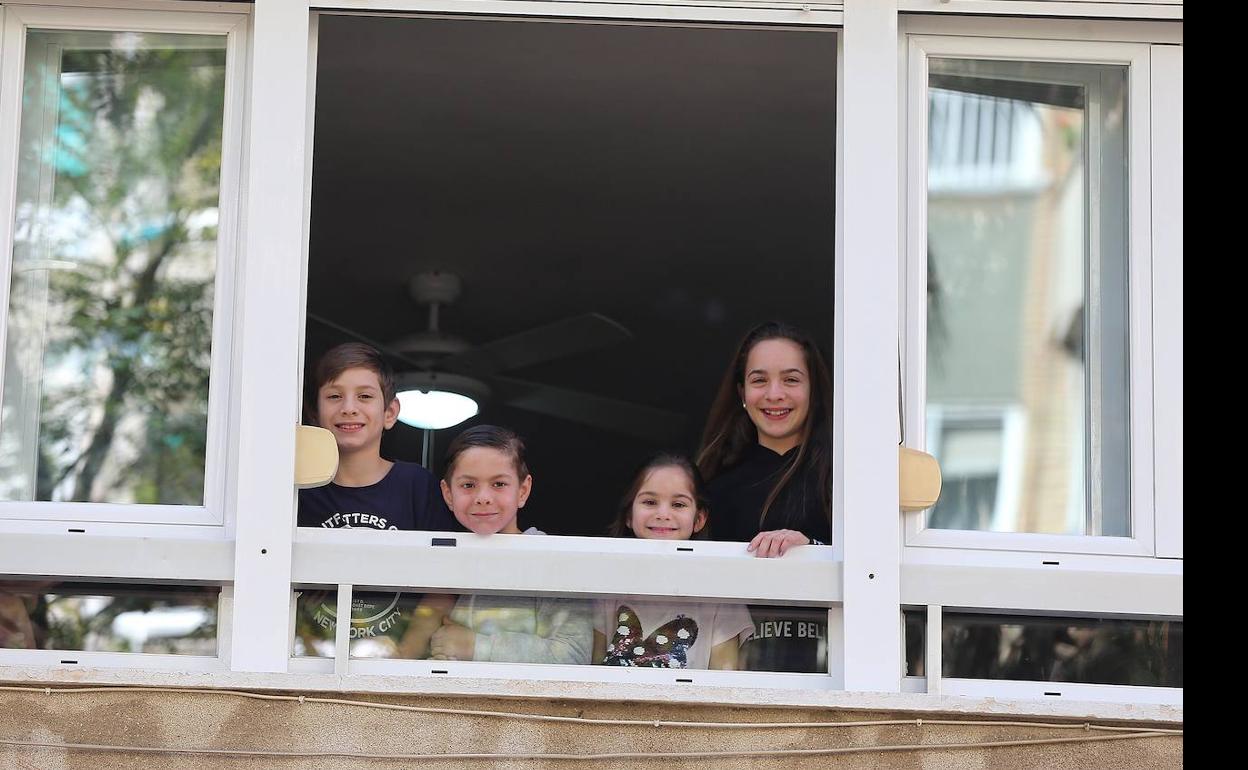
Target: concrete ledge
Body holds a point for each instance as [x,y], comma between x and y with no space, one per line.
[754,697]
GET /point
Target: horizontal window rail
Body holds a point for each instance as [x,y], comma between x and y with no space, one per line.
[1049,586]
[565,673]
[135,661]
[567,566]
[135,559]
[1108,693]
[1113,9]
[785,12]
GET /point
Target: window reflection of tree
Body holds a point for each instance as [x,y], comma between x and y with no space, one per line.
[137,157]
[55,616]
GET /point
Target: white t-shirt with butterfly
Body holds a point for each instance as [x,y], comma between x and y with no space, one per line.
[661,634]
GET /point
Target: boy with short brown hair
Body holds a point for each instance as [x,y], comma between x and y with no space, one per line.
[355,400]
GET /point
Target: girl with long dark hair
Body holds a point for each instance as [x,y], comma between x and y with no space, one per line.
[767,447]
[767,454]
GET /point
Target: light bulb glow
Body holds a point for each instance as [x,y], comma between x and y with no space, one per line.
[434,409]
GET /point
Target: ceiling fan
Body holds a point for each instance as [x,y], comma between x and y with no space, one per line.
[434,359]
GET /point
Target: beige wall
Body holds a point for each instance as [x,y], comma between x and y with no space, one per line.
[203,719]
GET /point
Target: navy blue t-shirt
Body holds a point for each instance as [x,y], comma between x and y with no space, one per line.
[408,497]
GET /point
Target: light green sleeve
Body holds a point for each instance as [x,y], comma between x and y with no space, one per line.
[563,633]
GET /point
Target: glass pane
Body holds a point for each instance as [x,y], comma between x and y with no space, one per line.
[110,312]
[1027,296]
[106,618]
[914,637]
[626,632]
[1082,650]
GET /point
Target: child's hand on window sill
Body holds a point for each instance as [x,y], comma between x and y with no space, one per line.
[452,642]
[776,543]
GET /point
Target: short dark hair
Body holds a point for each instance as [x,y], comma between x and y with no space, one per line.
[353,355]
[701,500]
[492,437]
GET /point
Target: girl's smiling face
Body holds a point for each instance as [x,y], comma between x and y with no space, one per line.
[776,392]
[664,508]
[484,491]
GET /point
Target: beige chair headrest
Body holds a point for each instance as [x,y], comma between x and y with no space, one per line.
[316,457]
[918,478]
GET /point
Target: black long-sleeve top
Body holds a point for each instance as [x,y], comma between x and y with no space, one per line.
[737,497]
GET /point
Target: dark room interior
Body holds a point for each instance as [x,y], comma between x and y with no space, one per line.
[677,181]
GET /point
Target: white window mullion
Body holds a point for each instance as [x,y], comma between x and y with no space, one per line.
[342,629]
[1140,374]
[1167,236]
[933,648]
[268,356]
[865,459]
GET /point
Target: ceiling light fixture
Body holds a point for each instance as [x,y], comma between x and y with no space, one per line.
[434,400]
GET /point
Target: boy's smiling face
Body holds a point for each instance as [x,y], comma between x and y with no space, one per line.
[354,409]
[485,492]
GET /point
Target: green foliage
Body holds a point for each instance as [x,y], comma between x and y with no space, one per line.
[136,158]
[82,617]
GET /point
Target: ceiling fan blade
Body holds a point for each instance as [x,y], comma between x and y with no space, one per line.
[381,346]
[577,334]
[644,422]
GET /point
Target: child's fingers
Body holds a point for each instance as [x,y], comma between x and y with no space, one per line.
[773,544]
[777,544]
[766,545]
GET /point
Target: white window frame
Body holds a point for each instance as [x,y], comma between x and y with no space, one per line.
[551,566]
[260,557]
[1125,9]
[566,566]
[1167,216]
[934,682]
[948,37]
[1039,574]
[1004,688]
[233,27]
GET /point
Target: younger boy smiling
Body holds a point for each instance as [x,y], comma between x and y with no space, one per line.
[356,401]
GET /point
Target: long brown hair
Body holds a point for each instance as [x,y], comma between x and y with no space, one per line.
[730,432]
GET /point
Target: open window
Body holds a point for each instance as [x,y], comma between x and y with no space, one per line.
[572,224]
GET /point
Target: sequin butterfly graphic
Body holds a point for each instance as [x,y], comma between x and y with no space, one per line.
[667,647]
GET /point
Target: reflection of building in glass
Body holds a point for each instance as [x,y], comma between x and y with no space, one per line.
[1009,264]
